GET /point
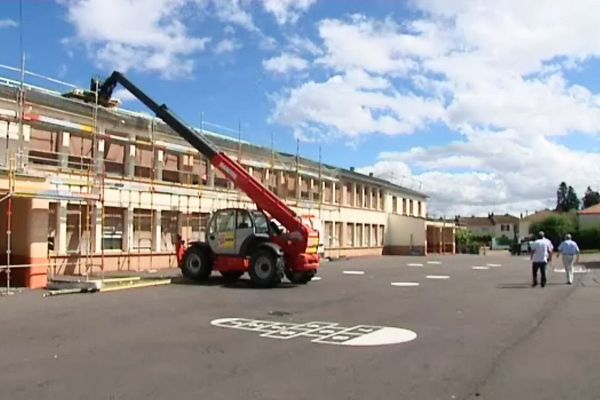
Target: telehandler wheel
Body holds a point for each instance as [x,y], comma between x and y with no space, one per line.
[300,278]
[266,269]
[196,264]
[231,276]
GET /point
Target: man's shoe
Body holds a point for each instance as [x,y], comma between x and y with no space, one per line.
[543,285]
[534,284]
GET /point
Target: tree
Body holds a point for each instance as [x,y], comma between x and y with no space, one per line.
[572,202]
[555,227]
[561,197]
[590,198]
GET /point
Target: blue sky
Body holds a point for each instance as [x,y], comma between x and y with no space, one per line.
[484,107]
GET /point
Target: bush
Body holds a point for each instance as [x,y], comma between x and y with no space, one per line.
[463,237]
[588,238]
[503,241]
[555,227]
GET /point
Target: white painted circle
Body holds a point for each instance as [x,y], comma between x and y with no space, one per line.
[479,267]
[383,336]
[414,265]
[438,277]
[405,283]
[354,272]
[315,278]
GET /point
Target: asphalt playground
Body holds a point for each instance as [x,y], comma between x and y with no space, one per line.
[454,327]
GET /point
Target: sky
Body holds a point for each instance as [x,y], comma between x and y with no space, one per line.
[484,106]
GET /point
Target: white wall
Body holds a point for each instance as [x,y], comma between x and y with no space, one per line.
[401,228]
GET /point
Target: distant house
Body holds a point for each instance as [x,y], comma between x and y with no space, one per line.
[589,216]
[492,225]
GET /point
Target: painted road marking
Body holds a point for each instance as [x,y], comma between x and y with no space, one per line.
[322,332]
[494,265]
[316,278]
[414,265]
[405,283]
[577,269]
[479,267]
[434,262]
[354,272]
[437,277]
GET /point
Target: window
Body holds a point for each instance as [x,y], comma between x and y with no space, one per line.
[114,157]
[43,147]
[348,194]
[304,194]
[224,221]
[338,234]
[394,204]
[78,234]
[328,192]
[168,230]
[505,228]
[349,235]
[52,214]
[419,209]
[80,152]
[261,222]
[221,180]
[373,203]
[198,222]
[359,235]
[142,229]
[338,193]
[381,198]
[411,209]
[290,186]
[243,220]
[171,167]
[144,160]
[403,206]
[381,233]
[363,197]
[112,233]
[375,241]
[367,235]
[328,234]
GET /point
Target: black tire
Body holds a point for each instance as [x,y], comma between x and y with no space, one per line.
[231,276]
[299,278]
[266,269]
[196,264]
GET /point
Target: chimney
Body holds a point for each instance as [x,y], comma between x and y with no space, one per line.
[370,174]
[352,169]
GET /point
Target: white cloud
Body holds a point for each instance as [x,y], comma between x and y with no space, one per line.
[497,74]
[287,11]
[285,63]
[227,46]
[8,23]
[123,95]
[145,35]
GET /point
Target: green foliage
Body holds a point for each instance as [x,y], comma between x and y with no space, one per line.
[555,227]
[463,237]
[573,202]
[588,238]
[484,240]
[561,197]
[590,198]
[504,241]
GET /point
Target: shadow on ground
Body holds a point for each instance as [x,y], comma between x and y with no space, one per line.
[219,281]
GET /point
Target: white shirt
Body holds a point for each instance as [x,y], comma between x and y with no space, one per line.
[541,249]
[568,248]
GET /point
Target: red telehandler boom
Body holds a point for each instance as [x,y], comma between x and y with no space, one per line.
[238,240]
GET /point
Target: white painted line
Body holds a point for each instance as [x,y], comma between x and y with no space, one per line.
[437,277]
[526,258]
[385,335]
[479,267]
[354,272]
[576,270]
[434,262]
[405,283]
[316,278]
[494,265]
[414,265]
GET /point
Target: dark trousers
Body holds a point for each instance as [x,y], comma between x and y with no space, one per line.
[539,266]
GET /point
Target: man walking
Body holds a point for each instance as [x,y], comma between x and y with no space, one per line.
[570,252]
[541,252]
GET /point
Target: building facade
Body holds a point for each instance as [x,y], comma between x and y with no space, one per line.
[108,189]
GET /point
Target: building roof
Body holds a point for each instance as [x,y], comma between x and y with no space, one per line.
[540,215]
[593,210]
[476,221]
[141,121]
[505,219]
